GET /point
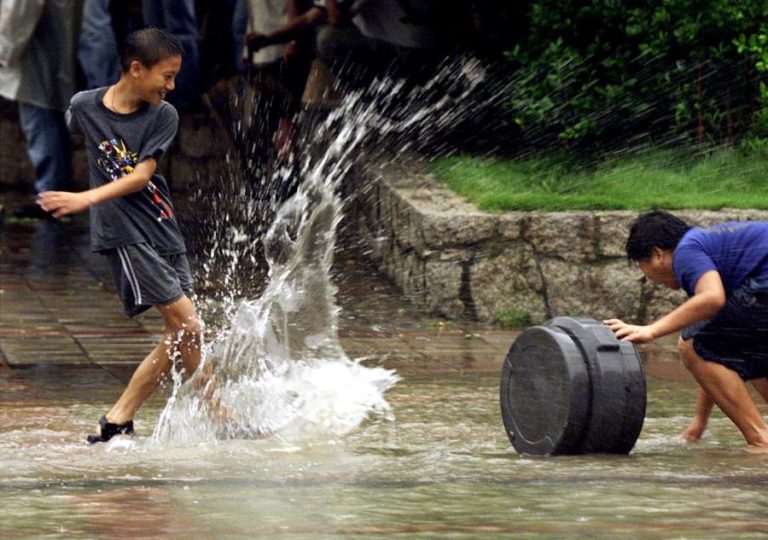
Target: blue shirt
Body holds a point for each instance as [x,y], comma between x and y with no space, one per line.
[738,250]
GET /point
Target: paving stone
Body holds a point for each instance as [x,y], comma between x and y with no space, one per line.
[127,328]
[25,351]
[118,349]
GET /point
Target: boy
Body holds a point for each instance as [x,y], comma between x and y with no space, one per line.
[127,127]
[724,322]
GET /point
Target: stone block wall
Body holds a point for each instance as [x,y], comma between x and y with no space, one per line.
[456,261]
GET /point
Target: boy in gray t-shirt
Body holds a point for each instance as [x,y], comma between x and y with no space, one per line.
[127,127]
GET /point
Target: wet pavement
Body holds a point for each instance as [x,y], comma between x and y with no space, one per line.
[57,302]
[443,469]
[58,307]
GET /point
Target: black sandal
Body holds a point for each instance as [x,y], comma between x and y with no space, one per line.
[109,430]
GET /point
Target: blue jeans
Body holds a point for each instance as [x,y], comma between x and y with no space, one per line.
[49,147]
[97,50]
[178,17]
[239,29]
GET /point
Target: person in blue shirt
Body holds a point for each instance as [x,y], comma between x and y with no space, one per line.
[724,321]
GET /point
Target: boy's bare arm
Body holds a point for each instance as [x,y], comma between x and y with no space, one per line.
[708,299]
[62,203]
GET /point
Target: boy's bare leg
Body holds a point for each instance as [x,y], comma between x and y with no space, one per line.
[730,393]
[701,413]
[761,385]
[182,333]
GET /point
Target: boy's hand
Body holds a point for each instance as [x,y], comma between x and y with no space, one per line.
[630,332]
[62,203]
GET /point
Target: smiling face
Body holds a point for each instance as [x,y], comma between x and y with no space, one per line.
[153,84]
[658,268]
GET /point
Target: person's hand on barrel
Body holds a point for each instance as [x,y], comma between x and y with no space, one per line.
[630,332]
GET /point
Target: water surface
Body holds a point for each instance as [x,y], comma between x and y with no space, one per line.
[441,468]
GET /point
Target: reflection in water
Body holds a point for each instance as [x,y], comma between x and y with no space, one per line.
[444,468]
[49,247]
[123,512]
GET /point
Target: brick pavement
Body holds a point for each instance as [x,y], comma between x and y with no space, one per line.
[58,307]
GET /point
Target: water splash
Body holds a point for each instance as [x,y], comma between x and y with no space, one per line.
[277,368]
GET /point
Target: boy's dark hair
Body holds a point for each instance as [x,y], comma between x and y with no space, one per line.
[654,229]
[149,46]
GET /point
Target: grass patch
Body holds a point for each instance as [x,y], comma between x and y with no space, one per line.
[513,318]
[671,180]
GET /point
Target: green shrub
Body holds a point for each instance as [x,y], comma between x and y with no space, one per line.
[609,72]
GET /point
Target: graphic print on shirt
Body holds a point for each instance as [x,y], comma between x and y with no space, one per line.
[118,160]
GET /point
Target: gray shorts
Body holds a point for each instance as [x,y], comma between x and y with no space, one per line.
[143,278]
[737,337]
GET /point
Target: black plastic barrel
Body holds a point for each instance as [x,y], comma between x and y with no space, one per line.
[570,387]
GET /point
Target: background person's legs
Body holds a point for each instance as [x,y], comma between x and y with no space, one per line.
[178,17]
[49,148]
[97,48]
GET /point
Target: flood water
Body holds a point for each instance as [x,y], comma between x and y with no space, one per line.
[441,468]
[435,463]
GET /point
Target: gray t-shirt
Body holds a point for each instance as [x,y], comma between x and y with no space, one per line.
[115,143]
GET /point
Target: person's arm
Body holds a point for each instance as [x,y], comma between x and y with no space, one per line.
[708,299]
[695,429]
[18,21]
[62,203]
[293,9]
[293,29]
[335,14]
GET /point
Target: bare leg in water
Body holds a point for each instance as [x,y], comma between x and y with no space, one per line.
[730,393]
[704,404]
[182,338]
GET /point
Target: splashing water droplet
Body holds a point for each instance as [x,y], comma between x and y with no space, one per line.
[277,368]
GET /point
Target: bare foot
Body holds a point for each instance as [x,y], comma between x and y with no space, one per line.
[753,449]
[692,433]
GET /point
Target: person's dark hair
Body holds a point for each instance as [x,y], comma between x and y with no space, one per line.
[149,46]
[654,229]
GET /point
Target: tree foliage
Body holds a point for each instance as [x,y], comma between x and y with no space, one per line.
[596,73]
